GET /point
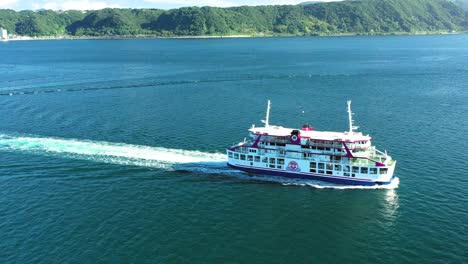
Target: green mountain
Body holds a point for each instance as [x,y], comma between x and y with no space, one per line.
[345,17]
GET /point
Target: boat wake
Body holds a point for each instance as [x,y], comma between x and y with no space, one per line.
[107,152]
[323,185]
[146,156]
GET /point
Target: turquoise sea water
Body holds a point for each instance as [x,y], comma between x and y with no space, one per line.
[113,150]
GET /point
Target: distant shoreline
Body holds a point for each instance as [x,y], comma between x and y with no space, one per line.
[28,38]
[322,19]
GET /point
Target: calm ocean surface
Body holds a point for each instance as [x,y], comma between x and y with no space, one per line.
[112,150]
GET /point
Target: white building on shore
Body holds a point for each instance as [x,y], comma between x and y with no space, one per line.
[3,34]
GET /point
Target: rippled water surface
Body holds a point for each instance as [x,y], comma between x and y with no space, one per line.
[113,150]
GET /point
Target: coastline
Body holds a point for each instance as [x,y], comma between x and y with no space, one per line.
[67,37]
[122,37]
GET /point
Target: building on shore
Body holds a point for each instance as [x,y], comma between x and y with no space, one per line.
[3,34]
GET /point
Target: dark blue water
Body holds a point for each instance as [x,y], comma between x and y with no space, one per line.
[112,150]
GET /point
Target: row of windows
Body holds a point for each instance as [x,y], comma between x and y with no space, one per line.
[273,144]
[324,142]
[272,139]
[334,142]
[282,152]
[321,148]
[360,142]
[354,169]
[319,167]
[310,155]
[256,158]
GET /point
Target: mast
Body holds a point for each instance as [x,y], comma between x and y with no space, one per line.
[267,117]
[350,117]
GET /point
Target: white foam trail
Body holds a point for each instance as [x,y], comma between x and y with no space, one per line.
[100,151]
[324,185]
[316,184]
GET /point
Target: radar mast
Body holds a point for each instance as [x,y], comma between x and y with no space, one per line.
[267,117]
[350,117]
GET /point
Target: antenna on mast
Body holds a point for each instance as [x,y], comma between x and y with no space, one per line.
[350,117]
[267,117]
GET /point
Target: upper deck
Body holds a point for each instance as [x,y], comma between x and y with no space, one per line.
[279,131]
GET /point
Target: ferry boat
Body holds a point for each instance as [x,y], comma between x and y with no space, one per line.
[338,157]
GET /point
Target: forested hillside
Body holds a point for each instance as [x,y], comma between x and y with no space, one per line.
[346,17]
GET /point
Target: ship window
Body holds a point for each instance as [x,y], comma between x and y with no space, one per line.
[319,148]
[265,160]
[338,167]
[355,169]
[278,166]
[242,157]
[250,158]
[346,174]
[346,168]
[230,154]
[321,166]
[257,158]
[281,161]
[364,170]
[337,158]
[272,160]
[383,171]
[253,150]
[327,149]
[329,166]
[236,156]
[329,172]
[313,170]
[313,165]
[373,170]
[320,171]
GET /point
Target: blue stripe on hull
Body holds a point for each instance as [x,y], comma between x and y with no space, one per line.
[306,176]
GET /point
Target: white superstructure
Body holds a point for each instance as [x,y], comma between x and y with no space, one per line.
[339,157]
